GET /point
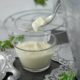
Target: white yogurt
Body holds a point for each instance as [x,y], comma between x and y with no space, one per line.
[41,21]
[36,59]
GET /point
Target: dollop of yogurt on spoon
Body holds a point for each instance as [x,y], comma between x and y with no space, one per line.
[41,21]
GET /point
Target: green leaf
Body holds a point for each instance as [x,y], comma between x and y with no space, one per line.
[67,75]
[18,38]
[40,2]
[11,38]
[7,44]
[0,43]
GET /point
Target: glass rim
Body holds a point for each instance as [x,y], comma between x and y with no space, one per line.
[25,12]
[41,30]
[54,44]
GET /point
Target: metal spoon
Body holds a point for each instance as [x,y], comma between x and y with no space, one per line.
[41,22]
[50,18]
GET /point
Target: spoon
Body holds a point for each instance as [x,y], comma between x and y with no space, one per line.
[41,21]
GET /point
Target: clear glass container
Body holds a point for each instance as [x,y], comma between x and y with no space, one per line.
[35,51]
[16,23]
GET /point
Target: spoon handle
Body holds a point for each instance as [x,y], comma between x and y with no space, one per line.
[53,15]
[57,8]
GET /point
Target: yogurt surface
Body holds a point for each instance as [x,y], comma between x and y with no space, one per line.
[31,56]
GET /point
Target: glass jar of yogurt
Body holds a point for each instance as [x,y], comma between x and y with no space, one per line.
[35,51]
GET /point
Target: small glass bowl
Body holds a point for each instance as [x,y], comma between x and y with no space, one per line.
[39,59]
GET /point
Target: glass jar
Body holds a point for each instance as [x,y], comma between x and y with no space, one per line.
[20,23]
[35,51]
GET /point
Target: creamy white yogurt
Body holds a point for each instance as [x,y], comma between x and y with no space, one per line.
[41,21]
[33,54]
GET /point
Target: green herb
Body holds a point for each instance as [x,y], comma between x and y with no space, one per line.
[40,2]
[11,38]
[5,45]
[8,43]
[14,39]
[68,75]
[19,38]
